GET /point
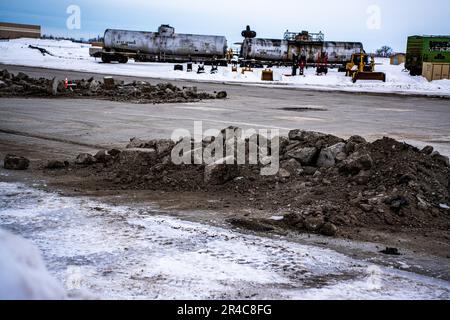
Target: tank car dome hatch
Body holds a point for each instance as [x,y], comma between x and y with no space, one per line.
[166,30]
[248,33]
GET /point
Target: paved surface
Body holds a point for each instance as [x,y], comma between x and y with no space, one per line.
[70,125]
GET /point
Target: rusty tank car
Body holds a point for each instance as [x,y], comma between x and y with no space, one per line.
[162,46]
[283,50]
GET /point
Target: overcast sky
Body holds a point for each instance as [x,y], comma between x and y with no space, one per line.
[373,22]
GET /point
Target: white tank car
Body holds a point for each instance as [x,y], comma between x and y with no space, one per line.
[165,43]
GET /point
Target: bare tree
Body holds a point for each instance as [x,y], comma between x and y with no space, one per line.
[384,52]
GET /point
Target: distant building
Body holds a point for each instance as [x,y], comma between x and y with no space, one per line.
[15,30]
[398,58]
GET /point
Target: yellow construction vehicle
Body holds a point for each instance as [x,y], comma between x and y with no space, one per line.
[359,68]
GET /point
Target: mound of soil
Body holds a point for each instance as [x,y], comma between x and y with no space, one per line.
[324,182]
[138,91]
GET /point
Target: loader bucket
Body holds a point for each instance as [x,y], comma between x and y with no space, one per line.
[369,76]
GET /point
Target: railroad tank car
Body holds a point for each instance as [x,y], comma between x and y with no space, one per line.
[272,50]
[164,45]
[265,49]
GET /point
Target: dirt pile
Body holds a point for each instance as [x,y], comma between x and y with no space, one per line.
[324,182]
[110,89]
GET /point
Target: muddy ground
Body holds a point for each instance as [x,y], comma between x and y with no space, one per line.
[386,191]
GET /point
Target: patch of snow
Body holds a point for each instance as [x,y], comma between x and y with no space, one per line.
[444,206]
[67,55]
[23,275]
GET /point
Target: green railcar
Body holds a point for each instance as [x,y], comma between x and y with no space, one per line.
[422,49]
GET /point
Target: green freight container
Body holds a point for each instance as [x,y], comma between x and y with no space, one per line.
[422,49]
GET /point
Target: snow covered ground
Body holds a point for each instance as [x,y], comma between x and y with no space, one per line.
[74,56]
[102,251]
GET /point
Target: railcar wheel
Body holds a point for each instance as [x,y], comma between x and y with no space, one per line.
[106,58]
[123,59]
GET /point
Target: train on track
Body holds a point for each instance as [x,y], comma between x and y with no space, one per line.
[168,46]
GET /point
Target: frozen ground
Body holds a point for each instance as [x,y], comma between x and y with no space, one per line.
[102,251]
[74,56]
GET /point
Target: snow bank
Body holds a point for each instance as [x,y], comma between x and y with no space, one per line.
[67,55]
[23,275]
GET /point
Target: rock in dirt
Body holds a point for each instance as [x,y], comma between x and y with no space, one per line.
[13,162]
[313,224]
[109,83]
[357,139]
[139,143]
[102,156]
[428,150]
[4,74]
[313,139]
[305,156]
[337,148]
[309,171]
[353,144]
[283,173]
[114,152]
[341,157]
[56,164]
[329,230]
[21,76]
[356,163]
[326,159]
[329,156]
[391,251]
[294,221]
[85,159]
[164,146]
[301,135]
[439,157]
[396,203]
[292,166]
[221,95]
[94,86]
